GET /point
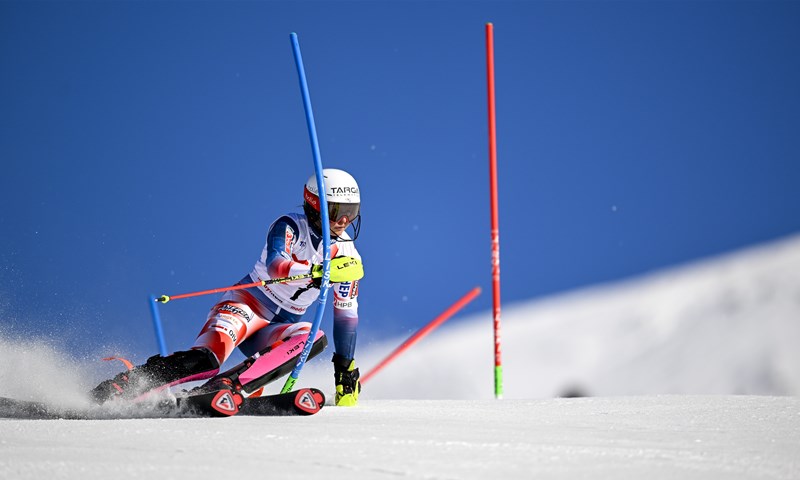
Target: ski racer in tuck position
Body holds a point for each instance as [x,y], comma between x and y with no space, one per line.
[264,322]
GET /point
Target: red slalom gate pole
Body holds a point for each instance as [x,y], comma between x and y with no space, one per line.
[498,363]
[423,332]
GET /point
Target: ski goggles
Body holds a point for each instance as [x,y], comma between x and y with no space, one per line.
[338,211]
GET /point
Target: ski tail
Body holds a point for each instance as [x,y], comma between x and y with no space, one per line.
[13,408]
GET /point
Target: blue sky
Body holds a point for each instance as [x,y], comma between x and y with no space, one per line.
[147,146]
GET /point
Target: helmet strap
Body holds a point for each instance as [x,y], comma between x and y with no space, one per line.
[315,223]
[356,224]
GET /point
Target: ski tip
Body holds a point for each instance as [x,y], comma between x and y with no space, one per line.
[226,403]
[309,401]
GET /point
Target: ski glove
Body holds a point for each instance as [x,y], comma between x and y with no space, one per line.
[343,269]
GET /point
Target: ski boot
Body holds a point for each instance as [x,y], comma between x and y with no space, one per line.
[156,372]
[346,377]
[216,384]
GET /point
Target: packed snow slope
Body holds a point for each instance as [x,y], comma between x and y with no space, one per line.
[687,437]
[687,373]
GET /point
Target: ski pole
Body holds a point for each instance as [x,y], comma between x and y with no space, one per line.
[260,283]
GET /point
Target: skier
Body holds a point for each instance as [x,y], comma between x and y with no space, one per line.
[257,319]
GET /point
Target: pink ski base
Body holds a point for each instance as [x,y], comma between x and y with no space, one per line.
[268,362]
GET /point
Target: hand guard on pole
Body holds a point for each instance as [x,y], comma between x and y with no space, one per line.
[343,269]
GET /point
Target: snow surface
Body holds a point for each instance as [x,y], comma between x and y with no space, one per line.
[694,371]
[725,437]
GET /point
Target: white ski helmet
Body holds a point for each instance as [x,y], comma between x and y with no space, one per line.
[342,195]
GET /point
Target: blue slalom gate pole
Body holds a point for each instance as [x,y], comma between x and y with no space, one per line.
[323,210]
[162,344]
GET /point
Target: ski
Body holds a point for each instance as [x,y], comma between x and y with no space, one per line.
[305,401]
[219,403]
[225,403]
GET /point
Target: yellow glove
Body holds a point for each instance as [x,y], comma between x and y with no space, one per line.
[343,269]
